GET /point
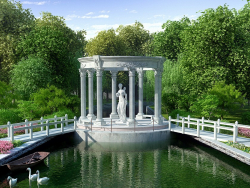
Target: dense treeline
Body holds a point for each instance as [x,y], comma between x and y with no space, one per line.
[207,68]
[38,61]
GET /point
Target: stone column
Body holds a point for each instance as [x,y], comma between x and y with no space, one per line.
[140,105]
[157,118]
[83,118]
[91,94]
[114,114]
[131,121]
[99,121]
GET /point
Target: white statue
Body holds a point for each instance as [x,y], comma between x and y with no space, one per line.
[121,107]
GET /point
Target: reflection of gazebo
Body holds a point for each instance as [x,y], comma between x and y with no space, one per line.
[114,64]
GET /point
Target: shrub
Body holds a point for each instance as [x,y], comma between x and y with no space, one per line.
[174,113]
[11,115]
[17,143]
[245,118]
[244,131]
[61,113]
[5,146]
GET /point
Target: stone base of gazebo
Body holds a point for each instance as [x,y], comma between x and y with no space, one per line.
[144,131]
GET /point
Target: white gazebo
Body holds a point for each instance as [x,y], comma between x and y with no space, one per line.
[114,64]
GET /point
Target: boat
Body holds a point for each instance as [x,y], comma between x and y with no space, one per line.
[27,161]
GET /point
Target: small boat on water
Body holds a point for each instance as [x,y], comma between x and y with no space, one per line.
[27,161]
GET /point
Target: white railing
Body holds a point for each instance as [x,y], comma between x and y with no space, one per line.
[30,125]
[216,125]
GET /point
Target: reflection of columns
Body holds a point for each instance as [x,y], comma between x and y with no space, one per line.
[131,121]
[140,170]
[91,93]
[114,114]
[99,173]
[140,105]
[157,117]
[157,168]
[83,95]
[99,120]
[131,157]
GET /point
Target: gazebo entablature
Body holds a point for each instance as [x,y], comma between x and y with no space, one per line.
[133,64]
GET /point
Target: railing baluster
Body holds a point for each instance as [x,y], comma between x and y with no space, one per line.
[169,123]
[215,131]
[178,117]
[62,128]
[235,132]
[218,121]
[12,132]
[8,129]
[47,127]
[31,131]
[55,120]
[66,120]
[198,128]
[183,126]
[41,123]
[202,122]
[26,125]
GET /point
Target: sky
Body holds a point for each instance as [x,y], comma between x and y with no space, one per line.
[97,15]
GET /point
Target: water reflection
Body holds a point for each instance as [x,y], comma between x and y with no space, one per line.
[160,164]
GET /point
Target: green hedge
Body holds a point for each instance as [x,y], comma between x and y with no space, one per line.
[9,115]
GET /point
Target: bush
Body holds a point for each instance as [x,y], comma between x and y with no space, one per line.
[11,115]
[61,113]
[182,113]
[5,146]
[17,143]
[245,118]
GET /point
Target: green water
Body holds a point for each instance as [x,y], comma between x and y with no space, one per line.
[176,162]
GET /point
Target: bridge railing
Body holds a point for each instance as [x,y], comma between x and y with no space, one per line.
[28,126]
[216,125]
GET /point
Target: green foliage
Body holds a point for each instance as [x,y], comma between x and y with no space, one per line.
[106,43]
[17,143]
[245,118]
[168,43]
[134,38]
[28,110]
[57,44]
[170,101]
[61,113]
[148,88]
[6,96]
[14,22]
[29,75]
[206,106]
[229,97]
[11,115]
[182,113]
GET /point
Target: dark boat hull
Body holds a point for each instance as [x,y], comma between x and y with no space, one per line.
[27,161]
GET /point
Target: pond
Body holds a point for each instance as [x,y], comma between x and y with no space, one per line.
[178,161]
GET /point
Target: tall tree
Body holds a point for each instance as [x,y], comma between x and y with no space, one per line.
[14,22]
[57,44]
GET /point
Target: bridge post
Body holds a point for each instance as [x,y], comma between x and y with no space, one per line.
[47,127]
[188,121]
[75,119]
[66,119]
[55,120]
[41,123]
[218,125]
[62,130]
[178,117]
[215,131]
[11,133]
[169,123]
[235,133]
[202,122]
[26,125]
[8,128]
[31,131]
[198,128]
[183,126]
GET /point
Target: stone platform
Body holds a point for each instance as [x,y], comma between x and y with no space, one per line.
[144,131]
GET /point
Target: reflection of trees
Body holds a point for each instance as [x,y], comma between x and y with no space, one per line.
[155,168]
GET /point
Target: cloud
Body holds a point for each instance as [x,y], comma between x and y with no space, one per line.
[69,17]
[104,11]
[159,15]
[177,18]
[90,13]
[101,16]
[84,17]
[105,26]
[34,3]
[153,27]
[133,11]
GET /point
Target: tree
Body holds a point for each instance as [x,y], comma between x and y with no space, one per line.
[14,22]
[215,48]
[229,97]
[134,38]
[29,75]
[57,44]
[168,43]
[206,105]
[6,96]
